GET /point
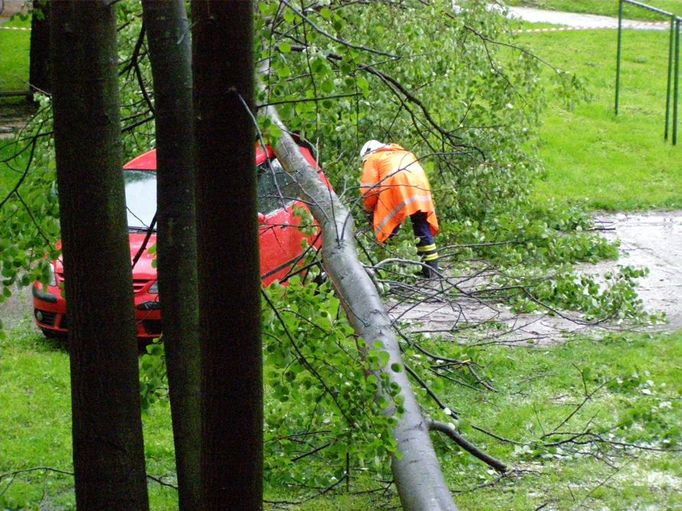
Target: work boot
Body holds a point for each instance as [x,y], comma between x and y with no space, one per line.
[430,270]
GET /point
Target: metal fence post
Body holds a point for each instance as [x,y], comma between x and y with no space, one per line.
[618,53]
[672,89]
[671,45]
[677,78]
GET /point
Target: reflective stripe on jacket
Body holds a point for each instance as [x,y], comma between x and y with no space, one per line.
[394,186]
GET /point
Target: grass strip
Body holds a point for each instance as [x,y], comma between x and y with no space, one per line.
[15,50]
[611,162]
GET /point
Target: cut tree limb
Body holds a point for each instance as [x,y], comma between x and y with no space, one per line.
[450,431]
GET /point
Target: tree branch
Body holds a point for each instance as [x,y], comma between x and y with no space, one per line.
[450,431]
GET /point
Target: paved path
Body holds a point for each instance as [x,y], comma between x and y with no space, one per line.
[580,21]
[9,8]
[652,240]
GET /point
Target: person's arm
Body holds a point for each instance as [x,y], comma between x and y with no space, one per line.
[369,187]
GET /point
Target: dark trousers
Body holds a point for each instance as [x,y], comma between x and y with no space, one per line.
[421,229]
[426,246]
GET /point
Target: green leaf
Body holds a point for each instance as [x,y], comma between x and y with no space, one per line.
[362,84]
[326,13]
[327,86]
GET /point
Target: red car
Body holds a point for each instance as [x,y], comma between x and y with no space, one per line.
[281,247]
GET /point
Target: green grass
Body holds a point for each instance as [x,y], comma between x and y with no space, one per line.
[536,390]
[604,7]
[638,401]
[612,162]
[35,422]
[15,50]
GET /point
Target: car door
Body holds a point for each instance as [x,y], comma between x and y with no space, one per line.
[280,238]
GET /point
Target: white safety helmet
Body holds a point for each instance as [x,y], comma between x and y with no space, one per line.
[369,147]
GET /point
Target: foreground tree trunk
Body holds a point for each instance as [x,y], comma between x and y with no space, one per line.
[108,451]
[227,236]
[39,70]
[416,469]
[169,38]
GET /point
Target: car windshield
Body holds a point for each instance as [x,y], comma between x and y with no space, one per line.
[140,186]
[276,188]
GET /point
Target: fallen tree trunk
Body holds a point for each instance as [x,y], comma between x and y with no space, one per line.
[415,467]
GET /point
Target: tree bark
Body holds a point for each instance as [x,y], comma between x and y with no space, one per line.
[39,67]
[416,469]
[170,54]
[108,452]
[227,234]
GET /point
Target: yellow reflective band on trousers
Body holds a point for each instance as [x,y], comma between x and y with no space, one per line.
[426,248]
[428,252]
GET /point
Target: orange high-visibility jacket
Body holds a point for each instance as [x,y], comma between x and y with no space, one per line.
[394,186]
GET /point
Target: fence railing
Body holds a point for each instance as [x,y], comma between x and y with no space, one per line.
[673,76]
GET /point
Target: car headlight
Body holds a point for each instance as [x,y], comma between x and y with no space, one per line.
[154,290]
[52,280]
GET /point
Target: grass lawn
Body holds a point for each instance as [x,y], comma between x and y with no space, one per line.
[636,385]
[612,162]
[537,390]
[604,7]
[15,50]
[35,422]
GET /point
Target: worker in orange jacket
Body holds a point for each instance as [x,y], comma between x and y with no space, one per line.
[394,186]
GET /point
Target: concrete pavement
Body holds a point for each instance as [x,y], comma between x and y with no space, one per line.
[9,8]
[583,21]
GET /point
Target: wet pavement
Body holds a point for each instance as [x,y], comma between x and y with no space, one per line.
[17,309]
[652,240]
[9,8]
[13,117]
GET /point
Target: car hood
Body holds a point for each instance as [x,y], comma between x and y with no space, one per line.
[143,267]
